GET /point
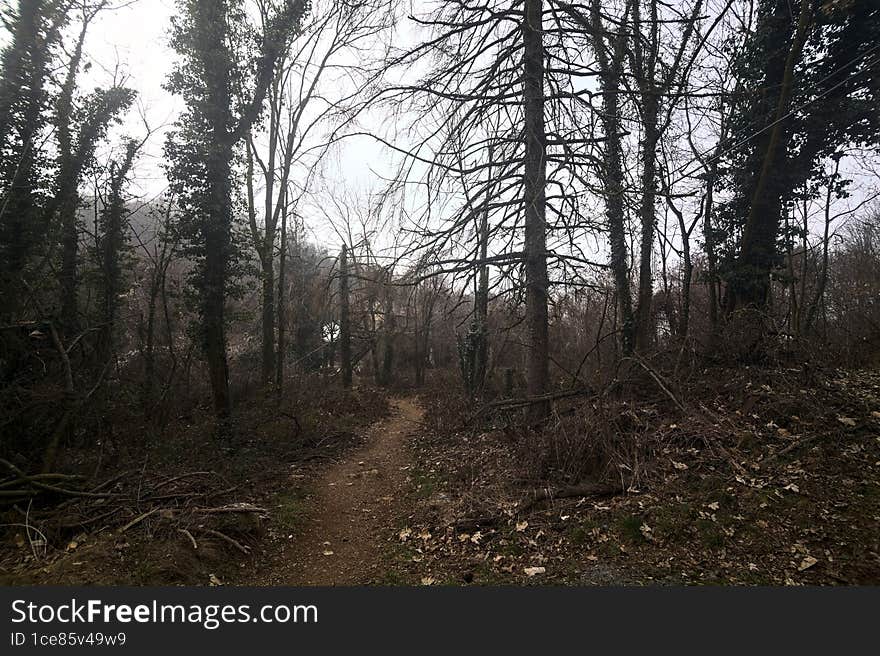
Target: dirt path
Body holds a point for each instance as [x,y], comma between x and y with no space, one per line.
[354,502]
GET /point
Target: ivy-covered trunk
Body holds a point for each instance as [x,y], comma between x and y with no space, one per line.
[749,285]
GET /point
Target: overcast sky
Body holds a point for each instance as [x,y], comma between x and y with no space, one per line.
[134,40]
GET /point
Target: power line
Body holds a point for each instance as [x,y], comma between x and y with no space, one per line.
[782,118]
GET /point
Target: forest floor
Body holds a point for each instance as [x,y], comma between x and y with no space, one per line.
[740,477]
[762,476]
[192,502]
[736,476]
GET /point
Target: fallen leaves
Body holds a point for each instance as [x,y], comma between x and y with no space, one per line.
[807,563]
[697,519]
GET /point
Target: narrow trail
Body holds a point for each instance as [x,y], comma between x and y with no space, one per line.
[354,502]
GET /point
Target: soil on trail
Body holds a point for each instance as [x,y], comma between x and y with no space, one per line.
[339,540]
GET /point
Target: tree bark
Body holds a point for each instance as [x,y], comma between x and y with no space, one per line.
[281,314]
[216,227]
[535,176]
[644,325]
[112,243]
[644,58]
[268,321]
[344,319]
[709,246]
[611,70]
[481,300]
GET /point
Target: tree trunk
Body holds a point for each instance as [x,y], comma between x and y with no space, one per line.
[687,277]
[217,223]
[709,245]
[216,235]
[264,244]
[148,341]
[823,267]
[225,121]
[268,319]
[687,274]
[481,300]
[611,71]
[644,325]
[750,286]
[389,325]
[22,97]
[535,175]
[67,198]
[282,270]
[67,276]
[112,243]
[644,53]
[344,319]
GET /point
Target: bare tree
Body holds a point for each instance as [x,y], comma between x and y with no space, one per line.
[344,319]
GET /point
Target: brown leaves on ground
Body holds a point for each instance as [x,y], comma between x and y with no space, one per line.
[763,483]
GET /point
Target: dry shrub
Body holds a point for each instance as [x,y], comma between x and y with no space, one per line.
[602,440]
[446,407]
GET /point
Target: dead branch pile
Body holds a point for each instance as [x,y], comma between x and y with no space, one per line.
[189,505]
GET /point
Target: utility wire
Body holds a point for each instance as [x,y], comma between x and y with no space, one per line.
[780,119]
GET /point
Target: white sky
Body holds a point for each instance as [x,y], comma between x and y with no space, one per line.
[135,40]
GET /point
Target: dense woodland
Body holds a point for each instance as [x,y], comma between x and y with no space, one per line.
[588,225]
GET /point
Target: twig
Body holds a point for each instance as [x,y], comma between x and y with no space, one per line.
[546,494]
[139,519]
[183,476]
[51,488]
[528,400]
[235,543]
[242,508]
[585,490]
[91,520]
[39,477]
[658,379]
[190,536]
[188,495]
[28,528]
[791,447]
[113,480]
